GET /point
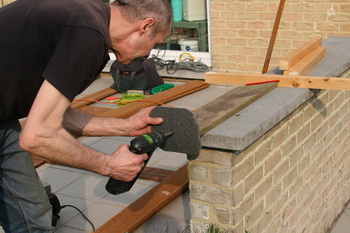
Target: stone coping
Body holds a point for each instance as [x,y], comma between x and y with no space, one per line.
[241,130]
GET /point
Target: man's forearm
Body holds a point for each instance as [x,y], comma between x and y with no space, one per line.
[60,147]
[82,124]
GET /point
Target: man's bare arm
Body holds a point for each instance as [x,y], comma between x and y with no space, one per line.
[80,123]
[44,135]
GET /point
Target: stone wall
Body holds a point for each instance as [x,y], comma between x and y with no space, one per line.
[241,29]
[295,178]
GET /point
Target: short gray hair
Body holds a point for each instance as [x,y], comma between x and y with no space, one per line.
[159,10]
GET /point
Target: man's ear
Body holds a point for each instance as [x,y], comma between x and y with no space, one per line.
[146,25]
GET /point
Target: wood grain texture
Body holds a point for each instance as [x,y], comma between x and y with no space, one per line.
[328,83]
[304,66]
[130,218]
[217,111]
[294,56]
[155,174]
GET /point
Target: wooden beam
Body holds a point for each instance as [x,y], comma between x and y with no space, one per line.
[307,63]
[294,56]
[328,83]
[132,217]
[155,174]
[220,109]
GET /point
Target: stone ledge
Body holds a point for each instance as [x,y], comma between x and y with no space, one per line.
[237,133]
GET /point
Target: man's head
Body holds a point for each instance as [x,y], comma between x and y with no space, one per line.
[137,26]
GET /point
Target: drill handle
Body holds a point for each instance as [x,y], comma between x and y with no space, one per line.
[116,187]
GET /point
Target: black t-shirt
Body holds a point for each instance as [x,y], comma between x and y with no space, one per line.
[65,42]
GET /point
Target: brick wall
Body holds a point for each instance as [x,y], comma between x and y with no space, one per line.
[295,178]
[241,29]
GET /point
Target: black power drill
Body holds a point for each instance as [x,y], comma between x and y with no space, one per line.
[146,143]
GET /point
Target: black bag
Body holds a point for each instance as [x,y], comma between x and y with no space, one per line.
[140,74]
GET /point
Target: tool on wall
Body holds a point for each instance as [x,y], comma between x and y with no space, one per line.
[179,132]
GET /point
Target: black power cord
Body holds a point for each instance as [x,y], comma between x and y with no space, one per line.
[172,66]
[92,225]
[56,207]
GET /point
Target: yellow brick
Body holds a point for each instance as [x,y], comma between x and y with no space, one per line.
[327,26]
[229,33]
[273,195]
[303,7]
[235,24]
[271,162]
[263,187]
[228,15]
[237,41]
[257,7]
[221,176]
[197,173]
[315,17]
[252,179]
[245,206]
[290,177]
[247,33]
[253,216]
[247,67]
[242,170]
[217,6]
[280,171]
[303,133]
[246,15]
[288,146]
[237,58]
[236,6]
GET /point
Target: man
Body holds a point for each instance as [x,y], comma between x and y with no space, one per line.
[51,50]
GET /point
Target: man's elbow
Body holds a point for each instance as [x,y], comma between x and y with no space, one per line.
[30,142]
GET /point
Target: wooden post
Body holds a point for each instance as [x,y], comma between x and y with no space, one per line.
[273,36]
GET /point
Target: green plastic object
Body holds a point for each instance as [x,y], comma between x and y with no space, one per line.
[162,87]
[130,96]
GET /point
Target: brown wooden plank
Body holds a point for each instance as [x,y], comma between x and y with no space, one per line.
[307,63]
[328,83]
[94,96]
[294,56]
[155,174]
[217,111]
[93,110]
[162,97]
[149,204]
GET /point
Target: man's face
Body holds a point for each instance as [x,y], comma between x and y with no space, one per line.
[136,45]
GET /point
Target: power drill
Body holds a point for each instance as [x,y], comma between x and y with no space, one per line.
[146,143]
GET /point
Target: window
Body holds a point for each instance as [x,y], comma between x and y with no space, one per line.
[190,32]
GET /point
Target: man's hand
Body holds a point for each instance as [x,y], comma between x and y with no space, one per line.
[140,123]
[124,165]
